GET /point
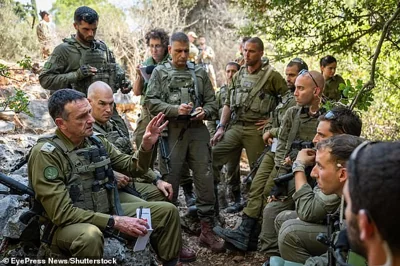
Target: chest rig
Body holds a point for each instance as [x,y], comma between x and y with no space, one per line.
[182,85]
[100,57]
[90,178]
[115,136]
[250,92]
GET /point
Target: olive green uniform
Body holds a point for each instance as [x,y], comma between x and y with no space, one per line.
[60,70]
[259,189]
[206,63]
[312,206]
[297,125]
[188,141]
[232,176]
[54,179]
[251,97]
[114,135]
[331,89]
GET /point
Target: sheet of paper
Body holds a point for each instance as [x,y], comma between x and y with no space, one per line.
[274,144]
[142,241]
[144,74]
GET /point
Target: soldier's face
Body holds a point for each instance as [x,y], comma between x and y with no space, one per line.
[230,71]
[79,122]
[252,54]
[157,50]
[179,52]
[85,31]
[102,106]
[329,70]
[305,90]
[330,175]
[202,40]
[323,131]
[291,73]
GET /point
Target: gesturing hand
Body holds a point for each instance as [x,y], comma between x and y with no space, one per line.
[153,131]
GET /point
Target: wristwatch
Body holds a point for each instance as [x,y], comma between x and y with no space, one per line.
[298,166]
[158,177]
[110,223]
[220,125]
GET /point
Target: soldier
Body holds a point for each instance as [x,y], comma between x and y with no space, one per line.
[205,57]
[101,99]
[46,34]
[372,191]
[193,51]
[312,204]
[328,66]
[240,59]
[71,174]
[254,93]
[297,130]
[81,60]
[184,93]
[232,175]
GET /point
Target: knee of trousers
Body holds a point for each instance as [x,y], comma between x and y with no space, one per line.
[91,239]
[288,236]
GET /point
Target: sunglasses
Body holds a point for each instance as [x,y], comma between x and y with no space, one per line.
[304,71]
[332,116]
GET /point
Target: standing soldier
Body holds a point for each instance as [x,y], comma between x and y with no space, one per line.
[204,59]
[184,94]
[81,60]
[46,34]
[193,51]
[254,93]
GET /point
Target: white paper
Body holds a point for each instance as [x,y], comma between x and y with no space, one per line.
[274,144]
[142,241]
[144,74]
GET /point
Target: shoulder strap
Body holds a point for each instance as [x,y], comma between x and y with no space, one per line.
[99,129]
[294,129]
[268,70]
[198,102]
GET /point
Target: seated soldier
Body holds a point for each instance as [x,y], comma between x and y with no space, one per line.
[311,204]
[71,174]
[101,99]
[372,193]
[331,174]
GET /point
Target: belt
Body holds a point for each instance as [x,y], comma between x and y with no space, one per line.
[245,123]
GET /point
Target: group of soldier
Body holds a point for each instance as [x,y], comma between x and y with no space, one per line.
[91,184]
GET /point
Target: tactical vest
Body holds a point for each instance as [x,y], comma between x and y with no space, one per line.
[249,92]
[88,179]
[115,136]
[100,57]
[181,85]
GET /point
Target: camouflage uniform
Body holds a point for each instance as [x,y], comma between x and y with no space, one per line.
[60,70]
[79,204]
[46,36]
[206,63]
[297,125]
[331,89]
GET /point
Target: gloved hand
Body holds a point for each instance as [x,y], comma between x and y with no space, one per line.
[86,71]
[126,86]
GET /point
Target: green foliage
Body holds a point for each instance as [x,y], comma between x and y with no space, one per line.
[4,70]
[26,62]
[18,102]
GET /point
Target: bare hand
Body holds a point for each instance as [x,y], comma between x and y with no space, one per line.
[185,109]
[307,156]
[153,131]
[200,116]
[267,138]
[217,136]
[122,180]
[261,124]
[166,189]
[131,226]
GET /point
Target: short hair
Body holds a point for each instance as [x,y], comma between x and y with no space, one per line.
[179,37]
[374,185]
[233,64]
[324,61]
[86,14]
[341,147]
[257,41]
[157,33]
[343,120]
[299,63]
[59,99]
[43,13]
[245,39]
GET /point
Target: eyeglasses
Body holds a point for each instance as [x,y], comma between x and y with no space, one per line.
[157,46]
[303,71]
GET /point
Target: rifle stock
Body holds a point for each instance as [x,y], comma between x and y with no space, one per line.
[256,165]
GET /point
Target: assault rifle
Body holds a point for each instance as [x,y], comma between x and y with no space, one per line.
[256,165]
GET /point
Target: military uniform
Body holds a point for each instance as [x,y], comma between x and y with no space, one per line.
[73,185]
[46,35]
[300,126]
[206,63]
[60,70]
[188,141]
[115,136]
[193,52]
[331,89]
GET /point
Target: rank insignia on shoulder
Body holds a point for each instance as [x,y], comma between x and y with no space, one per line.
[50,173]
[48,147]
[47,65]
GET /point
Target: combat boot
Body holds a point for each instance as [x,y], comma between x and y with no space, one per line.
[190,198]
[253,241]
[208,238]
[240,236]
[237,206]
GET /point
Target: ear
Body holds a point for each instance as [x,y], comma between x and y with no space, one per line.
[76,25]
[343,175]
[317,91]
[366,227]
[170,49]
[60,122]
